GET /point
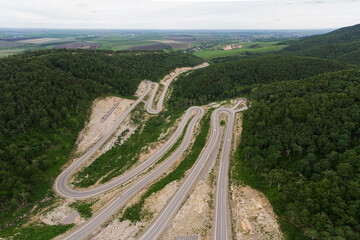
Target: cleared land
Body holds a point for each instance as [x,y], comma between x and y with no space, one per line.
[38,40]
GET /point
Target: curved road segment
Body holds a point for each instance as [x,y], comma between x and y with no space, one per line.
[207,156]
[106,212]
[221,228]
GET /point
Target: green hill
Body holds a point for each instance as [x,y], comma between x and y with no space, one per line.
[342,45]
[235,78]
[339,36]
[45,97]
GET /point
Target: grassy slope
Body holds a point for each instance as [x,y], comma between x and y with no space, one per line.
[262,47]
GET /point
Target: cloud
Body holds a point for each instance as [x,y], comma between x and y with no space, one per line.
[179,14]
[313,2]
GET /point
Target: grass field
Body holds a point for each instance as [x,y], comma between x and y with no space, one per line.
[7,52]
[248,47]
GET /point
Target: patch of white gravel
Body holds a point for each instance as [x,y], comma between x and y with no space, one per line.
[157,201]
[118,230]
[95,129]
[62,214]
[195,216]
[253,216]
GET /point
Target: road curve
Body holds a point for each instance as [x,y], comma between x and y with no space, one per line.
[64,190]
[107,211]
[61,186]
[221,226]
[113,207]
[159,224]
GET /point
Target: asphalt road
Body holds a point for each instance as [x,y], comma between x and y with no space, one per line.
[113,206]
[168,212]
[203,164]
[221,226]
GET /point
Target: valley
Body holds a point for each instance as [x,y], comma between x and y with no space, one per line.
[178,144]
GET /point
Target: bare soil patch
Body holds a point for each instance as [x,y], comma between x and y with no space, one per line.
[119,230]
[195,216]
[38,40]
[252,214]
[232,46]
[95,129]
[79,45]
[61,213]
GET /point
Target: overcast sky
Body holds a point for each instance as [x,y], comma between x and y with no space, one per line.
[179,14]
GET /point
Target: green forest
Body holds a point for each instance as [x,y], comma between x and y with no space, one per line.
[301,138]
[236,78]
[341,45]
[300,143]
[45,99]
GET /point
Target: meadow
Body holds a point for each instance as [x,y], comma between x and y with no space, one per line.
[248,48]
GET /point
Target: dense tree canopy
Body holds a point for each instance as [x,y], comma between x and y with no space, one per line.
[341,45]
[234,78]
[44,98]
[302,137]
[339,36]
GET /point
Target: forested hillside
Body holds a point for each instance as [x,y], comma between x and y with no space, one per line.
[339,36]
[301,144]
[347,52]
[44,99]
[342,45]
[235,78]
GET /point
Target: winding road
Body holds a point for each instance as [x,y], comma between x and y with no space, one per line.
[209,153]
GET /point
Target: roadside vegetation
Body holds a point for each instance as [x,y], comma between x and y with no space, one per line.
[36,231]
[83,208]
[122,157]
[135,212]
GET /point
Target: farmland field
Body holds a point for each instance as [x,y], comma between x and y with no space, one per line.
[206,44]
[248,48]
[7,52]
